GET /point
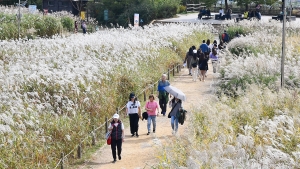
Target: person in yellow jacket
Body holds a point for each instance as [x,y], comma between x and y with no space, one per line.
[246,15]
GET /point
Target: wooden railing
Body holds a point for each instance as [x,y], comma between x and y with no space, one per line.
[194,7]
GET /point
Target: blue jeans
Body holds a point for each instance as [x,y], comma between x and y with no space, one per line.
[174,121]
[153,119]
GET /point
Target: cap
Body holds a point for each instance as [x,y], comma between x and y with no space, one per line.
[116,116]
[132,95]
[195,51]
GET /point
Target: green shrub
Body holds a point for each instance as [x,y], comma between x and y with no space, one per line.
[181,9]
[166,11]
[67,23]
[48,26]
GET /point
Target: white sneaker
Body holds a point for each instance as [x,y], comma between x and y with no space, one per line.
[173,132]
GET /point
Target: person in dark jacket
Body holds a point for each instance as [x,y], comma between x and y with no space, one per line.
[116,128]
[162,94]
[203,66]
[188,58]
[176,106]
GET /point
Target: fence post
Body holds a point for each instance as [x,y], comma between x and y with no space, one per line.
[94,137]
[178,67]
[117,110]
[168,74]
[173,70]
[145,96]
[106,129]
[62,161]
[79,151]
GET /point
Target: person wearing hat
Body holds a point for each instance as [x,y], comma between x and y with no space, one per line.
[116,128]
[133,108]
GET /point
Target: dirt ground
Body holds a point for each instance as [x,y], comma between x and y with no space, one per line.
[142,152]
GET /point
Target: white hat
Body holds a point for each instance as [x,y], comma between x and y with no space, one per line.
[195,51]
[116,116]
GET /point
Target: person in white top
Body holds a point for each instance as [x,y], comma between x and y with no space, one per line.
[116,129]
[133,108]
[221,12]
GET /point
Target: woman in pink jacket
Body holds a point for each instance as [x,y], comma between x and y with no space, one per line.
[152,109]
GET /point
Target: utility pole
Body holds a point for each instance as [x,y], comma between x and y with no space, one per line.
[283,42]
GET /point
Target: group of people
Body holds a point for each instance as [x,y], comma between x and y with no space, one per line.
[197,60]
[133,110]
[83,27]
[204,12]
[225,15]
[253,13]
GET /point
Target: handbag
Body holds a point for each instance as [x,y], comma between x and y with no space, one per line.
[108,141]
[169,115]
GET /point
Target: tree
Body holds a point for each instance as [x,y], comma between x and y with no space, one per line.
[38,3]
[209,3]
[79,5]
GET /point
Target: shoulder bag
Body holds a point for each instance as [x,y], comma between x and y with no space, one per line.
[169,115]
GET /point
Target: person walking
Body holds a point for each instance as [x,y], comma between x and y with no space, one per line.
[83,27]
[204,47]
[214,59]
[151,107]
[225,37]
[163,95]
[228,13]
[188,58]
[221,45]
[176,106]
[133,109]
[116,128]
[203,66]
[194,63]
[75,27]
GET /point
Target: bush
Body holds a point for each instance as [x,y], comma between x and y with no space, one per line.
[48,26]
[67,23]
[166,11]
[181,9]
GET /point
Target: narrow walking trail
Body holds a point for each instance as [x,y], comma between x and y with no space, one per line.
[142,152]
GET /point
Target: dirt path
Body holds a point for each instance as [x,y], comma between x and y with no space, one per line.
[141,152]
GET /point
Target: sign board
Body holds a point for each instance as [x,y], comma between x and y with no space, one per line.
[82,15]
[106,15]
[32,8]
[136,20]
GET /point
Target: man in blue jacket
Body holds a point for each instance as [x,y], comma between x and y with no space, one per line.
[162,94]
[204,48]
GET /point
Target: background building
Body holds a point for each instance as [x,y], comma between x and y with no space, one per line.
[73,6]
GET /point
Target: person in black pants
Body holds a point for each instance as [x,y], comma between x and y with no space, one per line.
[133,109]
[162,94]
[116,128]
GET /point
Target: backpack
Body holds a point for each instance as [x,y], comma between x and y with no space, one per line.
[181,115]
[225,37]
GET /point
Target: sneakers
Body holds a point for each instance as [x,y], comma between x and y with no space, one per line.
[120,157]
[137,135]
[132,135]
[114,161]
[173,132]
[148,133]
[153,130]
